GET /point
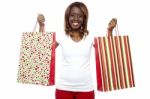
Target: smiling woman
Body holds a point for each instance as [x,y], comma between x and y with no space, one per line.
[75,78]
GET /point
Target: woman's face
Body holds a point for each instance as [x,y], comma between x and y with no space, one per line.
[75,18]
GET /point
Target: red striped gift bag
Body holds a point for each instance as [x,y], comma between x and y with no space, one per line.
[113,63]
[37,58]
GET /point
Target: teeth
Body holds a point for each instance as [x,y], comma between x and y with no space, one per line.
[75,23]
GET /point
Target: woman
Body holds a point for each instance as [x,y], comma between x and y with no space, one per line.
[75,79]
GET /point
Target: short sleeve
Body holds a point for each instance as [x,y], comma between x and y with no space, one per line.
[91,38]
[60,37]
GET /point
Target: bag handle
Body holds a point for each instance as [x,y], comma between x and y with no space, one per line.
[35,26]
[116,31]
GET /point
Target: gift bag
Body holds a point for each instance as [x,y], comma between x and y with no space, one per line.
[113,63]
[37,58]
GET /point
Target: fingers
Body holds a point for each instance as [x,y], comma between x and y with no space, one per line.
[112,24]
[114,19]
[41,18]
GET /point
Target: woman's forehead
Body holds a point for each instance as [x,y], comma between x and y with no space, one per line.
[75,10]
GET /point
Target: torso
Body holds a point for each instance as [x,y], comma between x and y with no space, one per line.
[75,74]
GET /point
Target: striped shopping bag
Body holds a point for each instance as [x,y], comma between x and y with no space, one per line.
[37,58]
[113,63]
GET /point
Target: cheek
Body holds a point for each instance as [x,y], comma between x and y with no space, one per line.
[70,20]
[81,20]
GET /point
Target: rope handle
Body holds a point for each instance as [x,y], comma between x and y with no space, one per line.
[117,33]
[117,30]
[35,26]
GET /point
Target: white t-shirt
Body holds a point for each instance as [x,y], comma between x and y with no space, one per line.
[75,73]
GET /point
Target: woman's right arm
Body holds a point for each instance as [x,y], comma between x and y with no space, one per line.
[41,21]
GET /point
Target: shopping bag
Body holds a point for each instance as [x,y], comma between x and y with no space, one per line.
[114,68]
[37,58]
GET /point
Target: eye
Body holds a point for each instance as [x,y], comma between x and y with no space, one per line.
[80,16]
[72,15]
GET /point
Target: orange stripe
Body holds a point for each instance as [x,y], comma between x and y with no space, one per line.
[122,60]
[130,62]
[106,64]
[114,78]
[125,63]
[116,63]
[119,62]
[101,64]
[127,60]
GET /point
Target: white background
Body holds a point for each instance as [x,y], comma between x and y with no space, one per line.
[17,16]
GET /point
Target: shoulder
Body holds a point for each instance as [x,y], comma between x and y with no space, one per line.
[90,37]
[61,37]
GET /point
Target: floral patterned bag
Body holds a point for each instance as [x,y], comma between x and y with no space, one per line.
[37,58]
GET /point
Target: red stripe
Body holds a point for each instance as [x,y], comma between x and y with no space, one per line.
[98,60]
[119,62]
[103,65]
[130,62]
[100,49]
[127,59]
[111,50]
[116,63]
[107,68]
[122,59]
[52,65]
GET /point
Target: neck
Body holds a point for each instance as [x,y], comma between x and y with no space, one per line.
[75,36]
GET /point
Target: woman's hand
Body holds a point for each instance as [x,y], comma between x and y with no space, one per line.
[41,20]
[111,25]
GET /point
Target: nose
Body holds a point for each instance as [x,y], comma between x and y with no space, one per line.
[76,17]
